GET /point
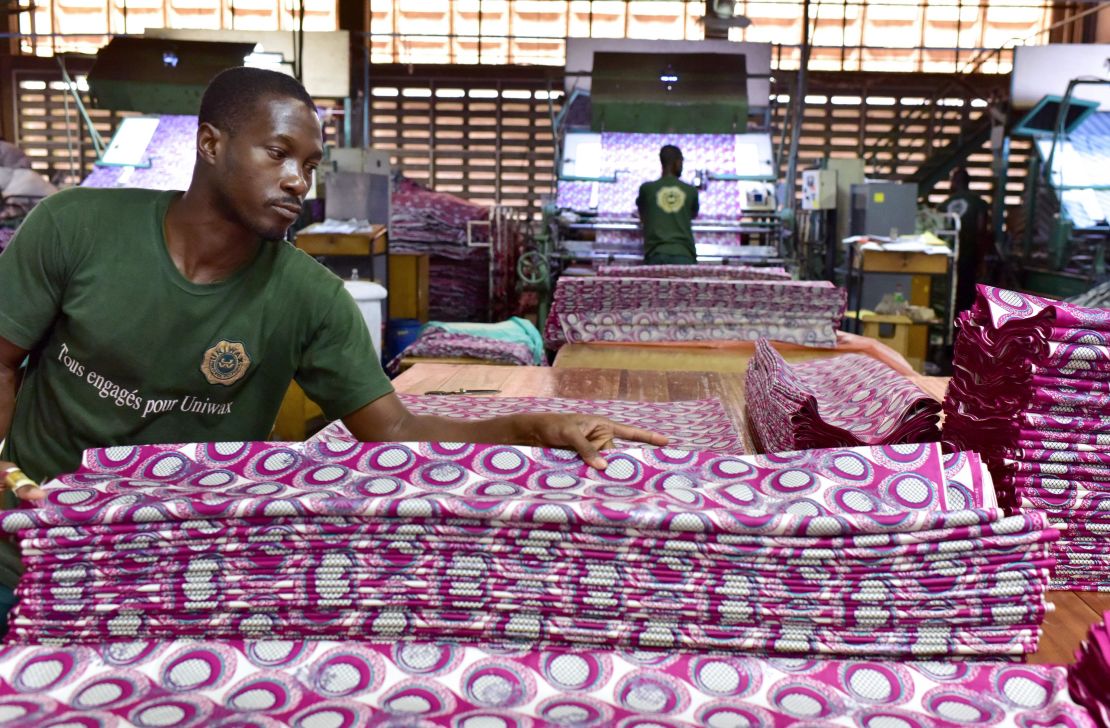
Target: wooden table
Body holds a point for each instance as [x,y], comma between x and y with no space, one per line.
[1063,629]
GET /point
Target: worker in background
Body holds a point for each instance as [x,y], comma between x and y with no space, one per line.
[667,209]
[159,317]
[974,239]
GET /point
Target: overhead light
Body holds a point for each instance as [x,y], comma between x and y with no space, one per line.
[720,15]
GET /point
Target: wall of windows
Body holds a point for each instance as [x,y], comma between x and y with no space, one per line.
[871,35]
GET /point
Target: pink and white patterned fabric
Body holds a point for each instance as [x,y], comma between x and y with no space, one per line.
[435,342]
[349,685]
[842,401]
[701,424]
[604,309]
[1029,393]
[892,551]
[731,272]
[1089,677]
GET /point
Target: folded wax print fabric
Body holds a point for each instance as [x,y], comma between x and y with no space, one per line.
[890,551]
[733,272]
[1030,393]
[701,424]
[349,685]
[842,401]
[514,341]
[1089,677]
[601,309]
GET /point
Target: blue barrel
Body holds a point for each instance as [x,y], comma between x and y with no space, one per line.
[399,333]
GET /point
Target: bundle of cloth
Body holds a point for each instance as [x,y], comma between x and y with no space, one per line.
[892,551]
[731,272]
[436,223]
[701,424]
[845,400]
[355,684]
[1089,677]
[513,341]
[609,309]
[1031,391]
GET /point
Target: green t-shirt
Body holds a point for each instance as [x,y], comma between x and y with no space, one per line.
[667,208]
[126,350]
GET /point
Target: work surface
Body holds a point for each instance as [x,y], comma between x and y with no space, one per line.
[1063,630]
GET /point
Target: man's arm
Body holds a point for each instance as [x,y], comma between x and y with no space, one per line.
[11,357]
[387,420]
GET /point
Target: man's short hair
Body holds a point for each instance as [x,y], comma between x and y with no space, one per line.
[670,154]
[233,95]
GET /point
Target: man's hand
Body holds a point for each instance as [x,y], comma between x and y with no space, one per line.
[14,480]
[584,434]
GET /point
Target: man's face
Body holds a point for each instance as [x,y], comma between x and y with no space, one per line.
[678,168]
[267,166]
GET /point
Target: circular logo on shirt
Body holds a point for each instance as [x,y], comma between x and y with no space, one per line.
[670,199]
[225,363]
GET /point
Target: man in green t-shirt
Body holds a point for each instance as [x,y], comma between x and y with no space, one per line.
[974,240]
[667,208]
[162,317]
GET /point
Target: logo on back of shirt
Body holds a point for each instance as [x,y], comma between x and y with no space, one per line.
[670,199]
[225,363]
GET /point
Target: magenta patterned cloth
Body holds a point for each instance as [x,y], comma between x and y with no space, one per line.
[1030,393]
[731,272]
[1089,677]
[259,684]
[425,221]
[701,424]
[804,405]
[172,151]
[603,309]
[869,551]
[435,342]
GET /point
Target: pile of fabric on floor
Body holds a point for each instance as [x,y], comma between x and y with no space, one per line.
[896,551]
[350,685]
[731,272]
[436,223]
[846,400]
[605,309]
[1031,392]
[1089,677]
[514,341]
[702,424]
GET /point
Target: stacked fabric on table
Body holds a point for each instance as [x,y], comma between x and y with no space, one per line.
[1089,677]
[602,309]
[513,341]
[731,272]
[701,424]
[1031,391]
[350,685]
[893,551]
[436,223]
[842,401]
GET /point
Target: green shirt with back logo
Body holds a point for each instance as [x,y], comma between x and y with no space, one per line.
[667,208]
[126,350]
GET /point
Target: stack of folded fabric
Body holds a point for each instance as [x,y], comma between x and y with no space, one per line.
[354,684]
[1031,391]
[1089,677]
[676,309]
[513,341]
[731,272]
[701,424]
[843,401]
[893,551]
[438,224]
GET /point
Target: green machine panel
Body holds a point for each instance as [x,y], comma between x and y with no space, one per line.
[678,93]
[158,75]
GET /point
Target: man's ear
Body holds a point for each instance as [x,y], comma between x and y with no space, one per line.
[209,140]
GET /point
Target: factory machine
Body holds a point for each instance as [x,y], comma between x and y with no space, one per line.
[624,102]
[1061,102]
